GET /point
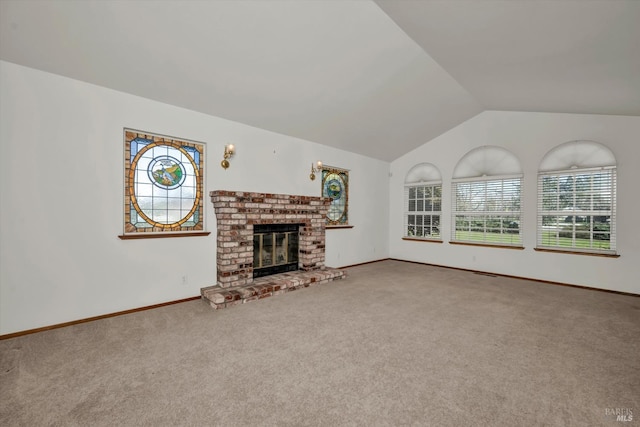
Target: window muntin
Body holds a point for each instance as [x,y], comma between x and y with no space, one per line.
[423,208]
[487,210]
[576,210]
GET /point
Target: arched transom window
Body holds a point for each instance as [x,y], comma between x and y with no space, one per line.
[577,198]
[422,202]
[486,198]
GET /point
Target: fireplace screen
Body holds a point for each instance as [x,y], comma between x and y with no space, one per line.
[275,249]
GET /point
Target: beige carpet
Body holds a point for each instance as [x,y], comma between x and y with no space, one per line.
[394,344]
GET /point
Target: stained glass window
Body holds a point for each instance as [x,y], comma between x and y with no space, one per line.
[163,184]
[335,185]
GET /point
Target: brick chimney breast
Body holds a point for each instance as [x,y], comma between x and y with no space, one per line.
[237,212]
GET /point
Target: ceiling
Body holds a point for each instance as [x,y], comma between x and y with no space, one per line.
[375,78]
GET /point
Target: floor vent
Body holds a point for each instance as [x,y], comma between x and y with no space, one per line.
[484,274]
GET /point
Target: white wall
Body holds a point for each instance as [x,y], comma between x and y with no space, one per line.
[529,136]
[61,195]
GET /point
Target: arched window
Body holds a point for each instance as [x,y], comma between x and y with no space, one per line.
[486,202]
[422,202]
[577,198]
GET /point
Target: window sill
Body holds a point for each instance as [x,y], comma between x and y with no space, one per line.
[487,245]
[416,239]
[329,227]
[564,251]
[159,235]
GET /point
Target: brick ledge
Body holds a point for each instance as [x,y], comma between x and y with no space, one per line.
[263,287]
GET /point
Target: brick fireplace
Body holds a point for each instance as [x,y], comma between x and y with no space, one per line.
[236,215]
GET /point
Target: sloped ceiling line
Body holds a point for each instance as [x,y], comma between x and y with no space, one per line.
[375,78]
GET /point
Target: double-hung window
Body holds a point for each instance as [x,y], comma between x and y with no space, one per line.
[487,210]
[423,203]
[576,205]
[423,206]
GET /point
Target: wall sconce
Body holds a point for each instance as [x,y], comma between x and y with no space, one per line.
[314,169]
[229,150]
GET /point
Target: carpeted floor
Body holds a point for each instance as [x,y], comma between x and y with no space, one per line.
[393,344]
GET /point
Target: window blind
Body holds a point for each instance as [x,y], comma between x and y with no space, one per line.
[576,210]
[487,210]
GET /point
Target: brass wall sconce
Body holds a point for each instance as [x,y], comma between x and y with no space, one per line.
[229,151]
[315,168]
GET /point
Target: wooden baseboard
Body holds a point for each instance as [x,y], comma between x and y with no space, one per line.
[548,282]
[487,273]
[91,319]
[365,263]
[134,310]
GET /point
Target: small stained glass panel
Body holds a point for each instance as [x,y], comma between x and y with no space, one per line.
[335,185]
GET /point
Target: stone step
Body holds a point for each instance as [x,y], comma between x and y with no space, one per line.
[263,287]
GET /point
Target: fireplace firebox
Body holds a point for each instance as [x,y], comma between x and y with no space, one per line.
[275,249]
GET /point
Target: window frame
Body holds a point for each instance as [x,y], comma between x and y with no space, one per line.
[505,236]
[609,190]
[433,185]
[175,194]
[340,204]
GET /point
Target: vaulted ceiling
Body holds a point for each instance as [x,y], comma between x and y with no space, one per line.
[376,78]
